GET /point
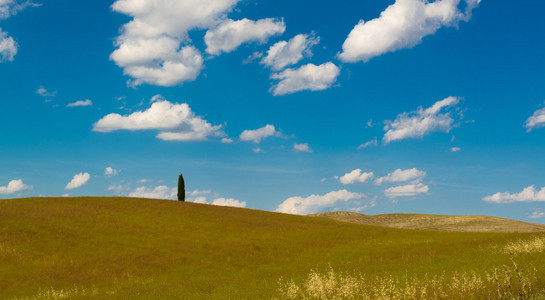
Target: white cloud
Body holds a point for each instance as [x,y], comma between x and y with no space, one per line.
[258,134]
[171,17]
[418,123]
[402,176]
[356,176]
[9,8]
[302,147]
[371,143]
[252,57]
[168,68]
[14,186]
[406,190]
[402,25]
[176,122]
[159,192]
[198,196]
[537,120]
[78,180]
[307,77]
[42,91]
[80,103]
[151,48]
[314,203]
[118,189]
[199,193]
[537,214]
[529,194]
[455,149]
[372,203]
[227,140]
[284,53]
[8,47]
[201,200]
[230,34]
[228,202]
[110,172]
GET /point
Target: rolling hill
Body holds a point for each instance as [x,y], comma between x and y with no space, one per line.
[130,248]
[435,222]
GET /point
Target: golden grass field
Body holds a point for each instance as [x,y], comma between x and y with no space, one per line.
[435,222]
[127,248]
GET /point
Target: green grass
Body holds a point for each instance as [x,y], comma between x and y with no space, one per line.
[129,248]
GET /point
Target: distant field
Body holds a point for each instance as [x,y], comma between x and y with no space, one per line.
[127,248]
[435,222]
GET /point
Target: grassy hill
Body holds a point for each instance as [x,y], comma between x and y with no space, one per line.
[128,248]
[435,222]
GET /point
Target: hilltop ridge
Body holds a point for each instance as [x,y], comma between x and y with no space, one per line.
[435,222]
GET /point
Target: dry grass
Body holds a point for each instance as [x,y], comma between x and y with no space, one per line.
[436,222]
[536,244]
[58,294]
[509,282]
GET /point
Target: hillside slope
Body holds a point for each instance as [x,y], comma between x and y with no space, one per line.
[435,222]
[128,248]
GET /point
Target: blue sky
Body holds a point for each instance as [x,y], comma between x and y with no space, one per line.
[372,106]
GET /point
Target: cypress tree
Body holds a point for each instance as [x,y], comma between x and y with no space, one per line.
[181,188]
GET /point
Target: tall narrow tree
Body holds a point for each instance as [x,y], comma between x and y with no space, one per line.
[181,188]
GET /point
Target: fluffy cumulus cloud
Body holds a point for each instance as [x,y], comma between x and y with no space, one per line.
[402,176]
[110,172]
[421,122]
[356,176]
[406,190]
[308,77]
[302,147]
[14,186]
[158,192]
[86,102]
[529,194]
[314,203]
[403,25]
[230,34]
[258,134]
[158,61]
[288,53]
[537,120]
[8,47]
[176,122]
[153,47]
[78,180]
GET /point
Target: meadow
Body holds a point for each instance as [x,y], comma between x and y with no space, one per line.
[128,248]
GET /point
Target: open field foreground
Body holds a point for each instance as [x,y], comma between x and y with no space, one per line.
[435,222]
[127,248]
